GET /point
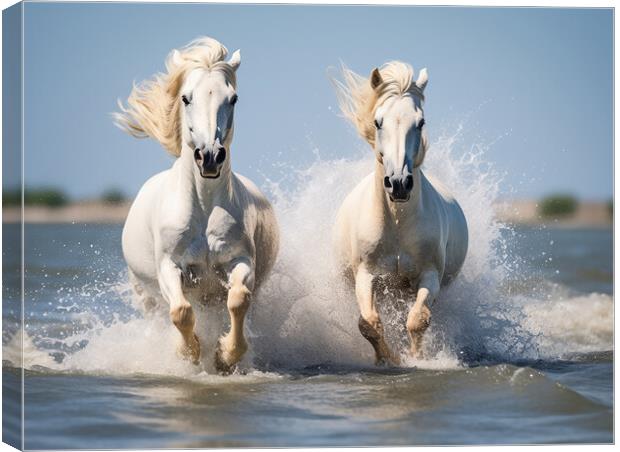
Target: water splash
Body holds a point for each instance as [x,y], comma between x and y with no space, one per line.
[306,314]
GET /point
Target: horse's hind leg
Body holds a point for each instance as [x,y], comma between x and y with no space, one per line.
[370,324]
[233,345]
[144,298]
[148,302]
[419,316]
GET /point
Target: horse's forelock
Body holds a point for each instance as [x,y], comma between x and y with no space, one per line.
[358,100]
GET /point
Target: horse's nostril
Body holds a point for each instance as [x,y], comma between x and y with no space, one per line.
[386,182]
[409,182]
[221,156]
[197,154]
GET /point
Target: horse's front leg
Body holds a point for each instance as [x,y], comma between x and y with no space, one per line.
[181,312]
[370,324]
[419,317]
[233,345]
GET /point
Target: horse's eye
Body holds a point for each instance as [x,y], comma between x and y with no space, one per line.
[234,99]
[185,99]
[422,122]
[378,124]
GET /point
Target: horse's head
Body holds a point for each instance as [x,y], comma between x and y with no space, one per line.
[189,108]
[400,139]
[207,99]
[387,111]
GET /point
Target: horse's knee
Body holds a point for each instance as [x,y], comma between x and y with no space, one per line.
[238,300]
[419,320]
[183,317]
[241,282]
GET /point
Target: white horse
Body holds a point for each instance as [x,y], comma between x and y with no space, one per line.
[396,224]
[197,231]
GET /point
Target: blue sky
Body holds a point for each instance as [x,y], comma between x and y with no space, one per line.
[537,83]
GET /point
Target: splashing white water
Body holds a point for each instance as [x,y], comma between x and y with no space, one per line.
[306,315]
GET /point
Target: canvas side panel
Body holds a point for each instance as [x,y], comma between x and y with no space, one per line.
[12,258]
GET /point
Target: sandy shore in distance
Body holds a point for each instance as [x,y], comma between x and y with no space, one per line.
[79,212]
[589,214]
[525,211]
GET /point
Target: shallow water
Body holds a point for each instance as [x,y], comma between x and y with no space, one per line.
[501,404]
[519,349]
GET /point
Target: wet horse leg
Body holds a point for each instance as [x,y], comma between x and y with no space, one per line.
[370,324]
[419,316]
[181,311]
[233,345]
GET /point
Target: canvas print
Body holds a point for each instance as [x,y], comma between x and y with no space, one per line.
[251,225]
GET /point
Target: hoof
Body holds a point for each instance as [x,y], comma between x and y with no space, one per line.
[220,364]
[417,350]
[417,353]
[191,351]
[388,361]
[381,362]
[226,357]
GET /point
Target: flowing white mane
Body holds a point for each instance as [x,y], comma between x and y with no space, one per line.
[358,100]
[153,107]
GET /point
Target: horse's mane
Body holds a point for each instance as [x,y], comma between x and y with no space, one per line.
[153,107]
[358,100]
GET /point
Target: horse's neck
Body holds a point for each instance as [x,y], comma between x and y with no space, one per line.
[397,211]
[208,192]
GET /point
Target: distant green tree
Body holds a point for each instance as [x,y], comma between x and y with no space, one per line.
[610,208]
[113,196]
[51,197]
[42,196]
[558,206]
[11,197]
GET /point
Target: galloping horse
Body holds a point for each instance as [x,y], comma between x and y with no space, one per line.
[197,231]
[396,223]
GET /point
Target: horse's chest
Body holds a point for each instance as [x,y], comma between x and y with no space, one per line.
[398,262]
[218,241]
[400,253]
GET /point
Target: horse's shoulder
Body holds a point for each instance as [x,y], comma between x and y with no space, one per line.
[157,178]
[437,188]
[247,192]
[440,200]
[244,183]
[251,200]
[366,184]
[173,218]
[151,189]
[356,197]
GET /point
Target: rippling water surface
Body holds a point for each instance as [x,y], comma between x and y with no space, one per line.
[519,349]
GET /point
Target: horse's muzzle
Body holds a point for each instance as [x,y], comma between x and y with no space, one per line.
[210,162]
[398,188]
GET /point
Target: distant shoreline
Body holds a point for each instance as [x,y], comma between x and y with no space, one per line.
[593,214]
[95,212]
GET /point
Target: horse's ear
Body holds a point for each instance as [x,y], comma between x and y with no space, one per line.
[235,60]
[422,80]
[375,78]
[176,57]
